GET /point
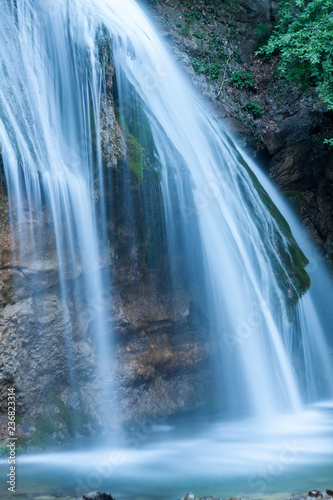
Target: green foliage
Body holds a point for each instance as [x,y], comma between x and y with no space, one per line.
[212,70]
[202,20]
[193,15]
[304,39]
[216,43]
[242,79]
[211,62]
[263,33]
[200,34]
[254,108]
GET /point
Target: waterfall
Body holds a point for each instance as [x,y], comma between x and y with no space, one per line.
[49,91]
[244,244]
[241,257]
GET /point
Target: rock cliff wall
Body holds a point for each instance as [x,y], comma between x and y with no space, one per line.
[159,346]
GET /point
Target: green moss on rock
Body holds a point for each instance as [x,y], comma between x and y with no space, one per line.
[293,279]
[296,199]
[134,157]
[140,146]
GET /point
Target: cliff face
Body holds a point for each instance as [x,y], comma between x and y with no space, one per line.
[158,348]
[283,127]
[47,351]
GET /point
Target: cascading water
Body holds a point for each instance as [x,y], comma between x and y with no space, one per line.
[243,252]
[240,254]
[46,137]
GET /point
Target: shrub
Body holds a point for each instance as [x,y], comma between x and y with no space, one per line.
[304,39]
[242,79]
[254,108]
[263,33]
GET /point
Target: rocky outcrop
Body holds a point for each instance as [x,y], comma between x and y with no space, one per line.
[96,495]
[281,126]
[156,361]
[21,275]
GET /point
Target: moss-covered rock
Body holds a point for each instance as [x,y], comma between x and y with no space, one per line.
[291,262]
[134,157]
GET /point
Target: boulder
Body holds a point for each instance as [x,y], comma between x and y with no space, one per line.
[299,167]
[97,495]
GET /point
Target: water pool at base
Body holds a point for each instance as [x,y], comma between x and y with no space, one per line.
[250,459]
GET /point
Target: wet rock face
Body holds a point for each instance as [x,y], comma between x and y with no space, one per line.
[22,274]
[47,351]
[299,167]
[113,144]
[156,359]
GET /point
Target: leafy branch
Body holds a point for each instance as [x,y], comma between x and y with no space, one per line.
[304,39]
